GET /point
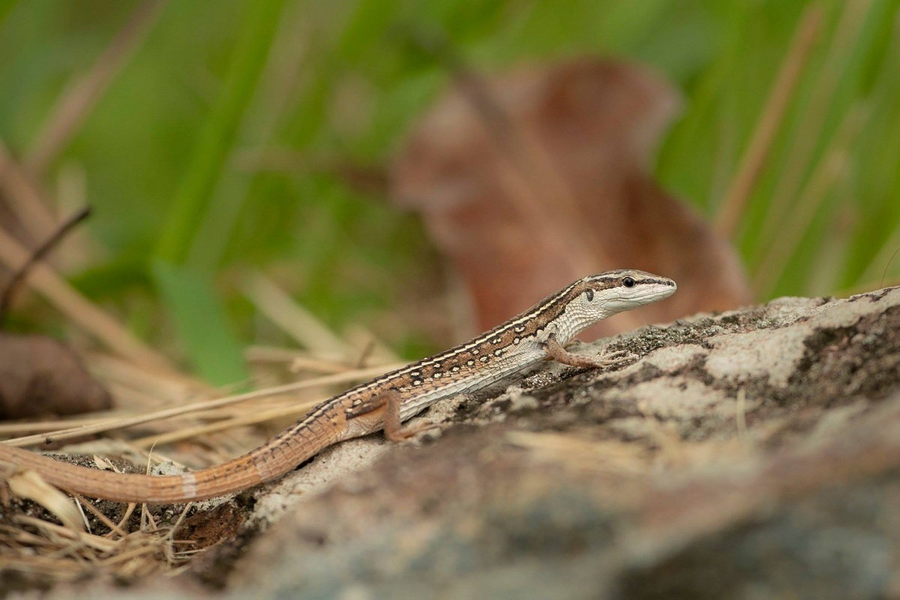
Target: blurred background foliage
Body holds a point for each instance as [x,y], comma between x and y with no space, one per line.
[246,135]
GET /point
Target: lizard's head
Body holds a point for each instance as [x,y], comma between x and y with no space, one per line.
[611,292]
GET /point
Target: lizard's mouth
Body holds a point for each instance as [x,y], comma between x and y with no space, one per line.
[651,292]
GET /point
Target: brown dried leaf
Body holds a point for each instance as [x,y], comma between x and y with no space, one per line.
[531,179]
[40,376]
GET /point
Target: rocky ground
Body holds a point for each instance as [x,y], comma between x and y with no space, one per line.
[751,454]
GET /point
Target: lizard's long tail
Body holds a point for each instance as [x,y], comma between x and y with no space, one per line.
[276,457]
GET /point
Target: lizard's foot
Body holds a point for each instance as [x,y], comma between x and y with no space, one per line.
[411,431]
[606,359]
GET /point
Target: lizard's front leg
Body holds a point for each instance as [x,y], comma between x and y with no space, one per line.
[557,352]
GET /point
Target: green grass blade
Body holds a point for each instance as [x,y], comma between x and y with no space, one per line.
[200,318]
[219,131]
[189,296]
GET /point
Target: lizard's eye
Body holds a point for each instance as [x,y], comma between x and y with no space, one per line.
[628,282]
[590,294]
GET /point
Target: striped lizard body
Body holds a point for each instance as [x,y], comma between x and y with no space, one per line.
[384,402]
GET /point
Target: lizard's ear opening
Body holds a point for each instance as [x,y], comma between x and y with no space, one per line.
[589,294]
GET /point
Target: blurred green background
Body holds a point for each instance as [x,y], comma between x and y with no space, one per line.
[238,135]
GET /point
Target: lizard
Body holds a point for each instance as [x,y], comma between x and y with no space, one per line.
[385,402]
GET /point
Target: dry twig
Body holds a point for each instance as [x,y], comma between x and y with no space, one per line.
[19,276]
[79,309]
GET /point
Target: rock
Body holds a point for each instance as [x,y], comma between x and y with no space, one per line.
[751,454]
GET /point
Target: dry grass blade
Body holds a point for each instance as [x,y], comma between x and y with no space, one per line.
[161,387]
[59,532]
[817,190]
[370,349]
[60,570]
[37,426]
[61,554]
[79,99]
[252,419]
[292,318]
[298,361]
[128,512]
[812,121]
[79,309]
[114,528]
[169,540]
[26,199]
[737,196]
[112,424]
[30,485]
